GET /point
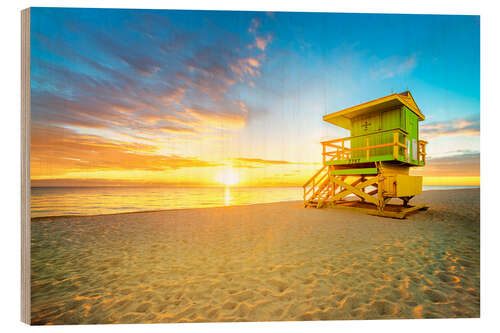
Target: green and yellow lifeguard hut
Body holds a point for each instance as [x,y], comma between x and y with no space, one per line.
[373,163]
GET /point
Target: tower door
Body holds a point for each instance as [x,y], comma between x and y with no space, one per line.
[412,129]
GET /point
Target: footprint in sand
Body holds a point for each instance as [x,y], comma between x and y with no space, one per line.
[281,285]
[385,308]
[448,278]
[435,296]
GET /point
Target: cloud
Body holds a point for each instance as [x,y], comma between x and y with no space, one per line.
[456,164]
[246,162]
[245,66]
[243,162]
[177,129]
[71,182]
[460,126]
[254,25]
[231,120]
[393,66]
[103,90]
[136,85]
[58,151]
[262,42]
[125,49]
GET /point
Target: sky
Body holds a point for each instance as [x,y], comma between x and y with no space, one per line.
[204,98]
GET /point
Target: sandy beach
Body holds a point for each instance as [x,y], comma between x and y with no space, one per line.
[262,262]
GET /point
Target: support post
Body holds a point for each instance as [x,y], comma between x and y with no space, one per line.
[363,179]
[367,148]
[396,145]
[407,151]
[380,195]
[342,156]
[423,149]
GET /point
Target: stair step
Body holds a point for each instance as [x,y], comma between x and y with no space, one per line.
[322,189]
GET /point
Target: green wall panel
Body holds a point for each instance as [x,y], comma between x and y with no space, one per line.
[373,125]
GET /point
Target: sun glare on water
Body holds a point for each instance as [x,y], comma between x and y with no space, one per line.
[228,177]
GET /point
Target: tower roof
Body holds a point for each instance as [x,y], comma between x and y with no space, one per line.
[343,117]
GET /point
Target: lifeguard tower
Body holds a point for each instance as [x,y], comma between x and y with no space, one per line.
[371,167]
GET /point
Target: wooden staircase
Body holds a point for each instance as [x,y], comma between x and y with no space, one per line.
[318,189]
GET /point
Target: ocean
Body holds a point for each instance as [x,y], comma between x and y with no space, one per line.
[58,201]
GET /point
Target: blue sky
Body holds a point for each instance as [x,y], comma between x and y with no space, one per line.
[192,88]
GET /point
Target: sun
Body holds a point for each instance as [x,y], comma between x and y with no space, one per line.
[228,177]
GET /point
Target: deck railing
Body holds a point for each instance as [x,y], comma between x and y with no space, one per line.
[342,149]
[421,151]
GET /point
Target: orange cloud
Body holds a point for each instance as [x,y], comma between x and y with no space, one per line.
[254,25]
[220,120]
[245,66]
[253,62]
[243,161]
[457,165]
[262,42]
[177,130]
[56,151]
[460,126]
[176,95]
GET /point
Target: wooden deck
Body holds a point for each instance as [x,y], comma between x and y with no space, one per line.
[345,151]
[390,210]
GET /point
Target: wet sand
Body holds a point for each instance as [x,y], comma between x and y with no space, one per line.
[262,262]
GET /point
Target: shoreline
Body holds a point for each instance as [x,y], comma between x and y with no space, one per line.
[160,210]
[38,218]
